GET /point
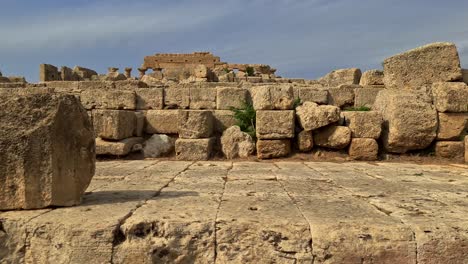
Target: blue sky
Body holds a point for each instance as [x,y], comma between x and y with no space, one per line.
[301,38]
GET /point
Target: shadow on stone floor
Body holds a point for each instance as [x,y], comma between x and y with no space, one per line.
[122,196]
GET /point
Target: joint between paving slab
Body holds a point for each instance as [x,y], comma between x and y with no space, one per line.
[300,211]
[225,178]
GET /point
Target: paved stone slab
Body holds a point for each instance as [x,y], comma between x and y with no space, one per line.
[156,211]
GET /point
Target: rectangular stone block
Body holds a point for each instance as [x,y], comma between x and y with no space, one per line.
[231,97]
[162,122]
[118,148]
[202,98]
[363,124]
[97,85]
[309,94]
[108,99]
[195,124]
[340,77]
[273,97]
[269,149]
[450,150]
[149,98]
[342,96]
[194,149]
[114,124]
[452,126]
[363,149]
[63,85]
[176,98]
[275,124]
[366,96]
[450,96]
[223,119]
[254,79]
[129,84]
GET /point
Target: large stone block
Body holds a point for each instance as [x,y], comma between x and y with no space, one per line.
[366,96]
[334,137]
[223,119]
[158,145]
[108,99]
[130,84]
[450,149]
[149,98]
[273,97]
[341,77]
[195,124]
[96,85]
[452,126]
[418,68]
[311,94]
[231,97]
[272,124]
[162,122]
[363,124]
[450,96]
[236,144]
[363,149]
[372,77]
[312,116]
[202,98]
[176,98]
[305,141]
[118,148]
[342,96]
[194,149]
[114,124]
[269,149]
[48,150]
[410,120]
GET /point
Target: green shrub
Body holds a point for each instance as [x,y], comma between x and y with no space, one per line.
[250,71]
[360,108]
[297,102]
[245,118]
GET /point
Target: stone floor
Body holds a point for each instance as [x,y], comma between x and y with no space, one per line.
[251,212]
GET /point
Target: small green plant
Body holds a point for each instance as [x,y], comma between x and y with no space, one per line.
[360,108]
[297,102]
[226,70]
[245,118]
[250,71]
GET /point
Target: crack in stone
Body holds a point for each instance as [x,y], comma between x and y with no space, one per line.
[300,211]
[119,237]
[225,178]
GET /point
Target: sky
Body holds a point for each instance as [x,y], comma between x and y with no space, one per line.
[301,38]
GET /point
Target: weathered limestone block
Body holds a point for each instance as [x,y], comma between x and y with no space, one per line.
[47,156]
[410,121]
[363,149]
[341,77]
[342,96]
[202,98]
[363,124]
[200,71]
[450,96]
[366,96]
[151,80]
[194,149]
[372,77]
[231,97]
[162,122]
[95,85]
[48,73]
[269,149]
[195,124]
[139,124]
[118,148]
[418,68]
[236,144]
[176,98]
[115,76]
[158,145]
[450,149]
[84,73]
[254,79]
[312,116]
[273,97]
[272,124]
[452,126]
[130,84]
[223,119]
[465,75]
[334,137]
[149,98]
[305,141]
[108,99]
[114,124]
[311,94]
